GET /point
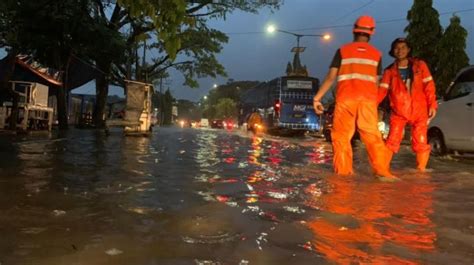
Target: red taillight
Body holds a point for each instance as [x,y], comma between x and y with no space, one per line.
[277,106]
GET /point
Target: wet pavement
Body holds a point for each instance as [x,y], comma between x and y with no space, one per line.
[187,196]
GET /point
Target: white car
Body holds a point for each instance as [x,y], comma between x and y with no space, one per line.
[204,123]
[453,126]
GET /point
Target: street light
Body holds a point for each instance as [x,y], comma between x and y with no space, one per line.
[215,86]
[272,28]
[205,97]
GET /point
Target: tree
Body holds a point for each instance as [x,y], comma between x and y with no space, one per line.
[168,101]
[188,110]
[178,33]
[424,31]
[50,31]
[134,19]
[451,50]
[232,90]
[8,36]
[175,29]
[226,108]
[209,111]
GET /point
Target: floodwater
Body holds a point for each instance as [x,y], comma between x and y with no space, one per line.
[187,196]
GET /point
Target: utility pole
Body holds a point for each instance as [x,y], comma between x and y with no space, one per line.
[144,69]
[162,115]
[137,64]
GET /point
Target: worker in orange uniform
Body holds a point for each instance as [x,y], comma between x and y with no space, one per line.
[412,97]
[356,66]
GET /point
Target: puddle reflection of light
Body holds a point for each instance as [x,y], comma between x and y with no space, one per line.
[320,155]
[275,154]
[137,147]
[256,150]
[360,219]
[229,160]
[206,155]
[255,177]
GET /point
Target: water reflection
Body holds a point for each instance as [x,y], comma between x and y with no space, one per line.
[372,222]
[136,155]
[275,156]
[255,151]
[206,153]
[35,157]
[212,197]
[320,155]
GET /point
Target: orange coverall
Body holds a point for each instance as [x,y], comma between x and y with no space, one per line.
[356,105]
[409,105]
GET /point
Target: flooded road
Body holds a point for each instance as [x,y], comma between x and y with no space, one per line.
[186,196]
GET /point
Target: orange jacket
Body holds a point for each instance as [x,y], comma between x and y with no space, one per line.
[409,104]
[357,75]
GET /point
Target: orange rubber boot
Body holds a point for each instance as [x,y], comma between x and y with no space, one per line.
[385,175]
[422,160]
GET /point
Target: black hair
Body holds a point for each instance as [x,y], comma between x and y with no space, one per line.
[395,42]
[361,34]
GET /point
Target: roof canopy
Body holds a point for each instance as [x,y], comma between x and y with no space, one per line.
[28,70]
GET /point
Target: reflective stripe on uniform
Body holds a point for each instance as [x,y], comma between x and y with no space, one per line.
[384,85]
[427,79]
[359,61]
[356,76]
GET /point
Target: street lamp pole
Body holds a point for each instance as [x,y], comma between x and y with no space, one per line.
[299,36]
[296,68]
[272,28]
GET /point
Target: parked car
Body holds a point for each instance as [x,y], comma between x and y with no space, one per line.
[453,126]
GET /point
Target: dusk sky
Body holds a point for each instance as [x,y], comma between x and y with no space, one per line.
[262,56]
[254,54]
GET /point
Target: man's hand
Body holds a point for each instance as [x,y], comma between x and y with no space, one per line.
[431,114]
[318,107]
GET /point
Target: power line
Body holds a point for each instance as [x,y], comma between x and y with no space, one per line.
[353,11]
[347,25]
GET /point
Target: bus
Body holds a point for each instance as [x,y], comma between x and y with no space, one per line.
[283,105]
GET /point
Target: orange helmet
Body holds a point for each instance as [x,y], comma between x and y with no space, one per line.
[364,24]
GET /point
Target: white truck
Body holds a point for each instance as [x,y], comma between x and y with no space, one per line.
[138,119]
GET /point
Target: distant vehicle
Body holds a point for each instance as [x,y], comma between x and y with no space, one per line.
[285,104]
[204,123]
[453,126]
[229,124]
[217,124]
[183,123]
[255,122]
